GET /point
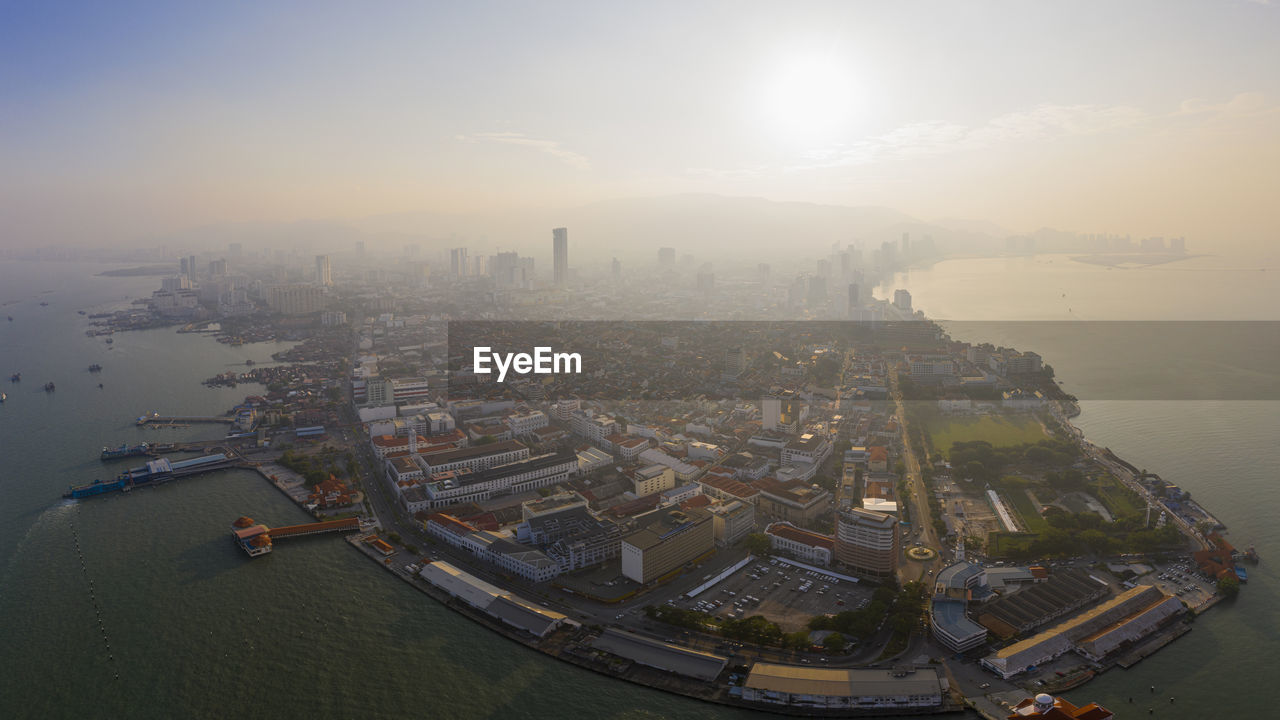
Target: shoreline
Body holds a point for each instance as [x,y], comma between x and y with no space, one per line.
[561,649]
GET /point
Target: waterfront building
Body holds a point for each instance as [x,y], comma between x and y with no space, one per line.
[804,545]
[665,541]
[294,299]
[1095,633]
[867,542]
[900,687]
[1050,708]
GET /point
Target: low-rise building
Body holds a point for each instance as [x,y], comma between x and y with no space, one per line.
[804,545]
[652,479]
[903,687]
[796,501]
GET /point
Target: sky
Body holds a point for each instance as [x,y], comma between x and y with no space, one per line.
[124,121]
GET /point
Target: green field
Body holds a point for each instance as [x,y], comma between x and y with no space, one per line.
[998,430]
[1029,512]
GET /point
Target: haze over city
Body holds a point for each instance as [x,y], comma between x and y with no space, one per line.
[146,123]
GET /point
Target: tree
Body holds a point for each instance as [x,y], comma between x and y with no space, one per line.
[834,643]
[758,543]
[1229,586]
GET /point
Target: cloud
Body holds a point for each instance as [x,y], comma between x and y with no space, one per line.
[549,147]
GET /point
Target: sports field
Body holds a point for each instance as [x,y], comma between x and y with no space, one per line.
[1000,431]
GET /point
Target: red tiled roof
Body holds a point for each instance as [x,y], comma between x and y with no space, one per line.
[795,534]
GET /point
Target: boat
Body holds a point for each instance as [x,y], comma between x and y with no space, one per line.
[95,368]
[16,377]
[3,397]
[99,386]
[49,387]
[1242,574]
[82,312]
[125,451]
[44,303]
[10,318]
[109,341]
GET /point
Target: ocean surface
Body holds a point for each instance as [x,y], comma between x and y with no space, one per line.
[148,587]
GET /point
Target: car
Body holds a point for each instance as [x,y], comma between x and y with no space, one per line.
[984,686]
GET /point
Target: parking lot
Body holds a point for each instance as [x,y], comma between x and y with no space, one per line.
[784,594]
[1182,579]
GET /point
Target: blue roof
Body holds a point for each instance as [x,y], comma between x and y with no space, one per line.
[949,615]
[956,576]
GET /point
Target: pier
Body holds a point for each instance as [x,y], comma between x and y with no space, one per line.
[157,419]
[257,539]
[155,472]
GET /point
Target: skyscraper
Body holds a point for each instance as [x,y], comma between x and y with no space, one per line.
[855,298]
[191,266]
[666,258]
[902,300]
[324,273]
[458,262]
[360,250]
[617,269]
[560,252]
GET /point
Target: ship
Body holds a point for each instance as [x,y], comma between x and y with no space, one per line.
[16,377]
[125,451]
[82,312]
[44,303]
[109,341]
[50,387]
[95,368]
[3,397]
[1242,574]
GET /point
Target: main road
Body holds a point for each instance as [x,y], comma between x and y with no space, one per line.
[921,514]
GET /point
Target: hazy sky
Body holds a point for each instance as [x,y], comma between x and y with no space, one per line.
[122,120]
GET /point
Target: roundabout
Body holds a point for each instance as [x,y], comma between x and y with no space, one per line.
[921,553]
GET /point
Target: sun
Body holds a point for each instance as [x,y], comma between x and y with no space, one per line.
[808,99]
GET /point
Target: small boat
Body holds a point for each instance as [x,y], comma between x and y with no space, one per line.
[49,387]
[10,318]
[95,368]
[16,377]
[82,312]
[3,397]
[99,386]
[1242,574]
[44,303]
[109,341]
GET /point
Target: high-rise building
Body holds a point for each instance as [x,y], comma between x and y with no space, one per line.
[324,273]
[458,262]
[706,281]
[855,298]
[902,300]
[360,250]
[218,268]
[191,266]
[666,540]
[294,299]
[817,291]
[617,270]
[868,542]
[667,258]
[781,412]
[235,250]
[735,362]
[762,273]
[560,256]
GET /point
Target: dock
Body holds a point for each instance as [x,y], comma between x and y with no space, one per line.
[257,539]
[157,419]
[155,472]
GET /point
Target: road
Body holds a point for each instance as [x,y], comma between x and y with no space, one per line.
[921,516]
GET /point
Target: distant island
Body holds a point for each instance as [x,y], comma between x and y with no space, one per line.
[1132,259]
[153,270]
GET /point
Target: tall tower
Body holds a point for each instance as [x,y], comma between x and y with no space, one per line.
[458,262]
[560,252]
[666,258]
[324,273]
